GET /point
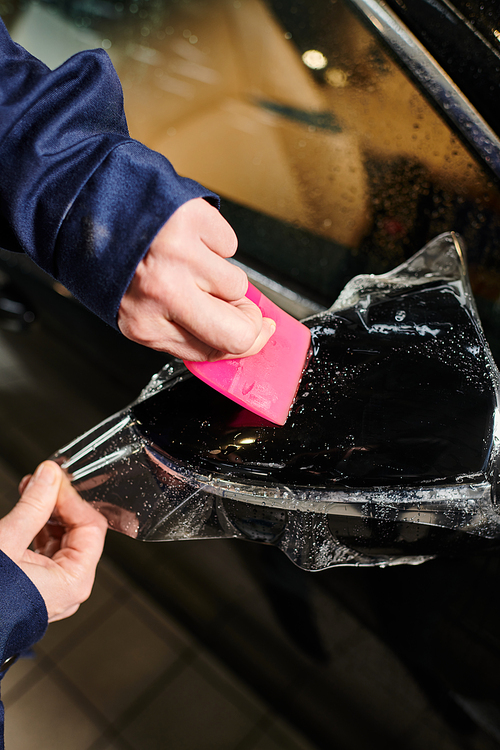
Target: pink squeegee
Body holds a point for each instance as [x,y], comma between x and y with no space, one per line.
[265,383]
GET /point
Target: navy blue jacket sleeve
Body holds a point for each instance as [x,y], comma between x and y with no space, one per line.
[23,617]
[77,194]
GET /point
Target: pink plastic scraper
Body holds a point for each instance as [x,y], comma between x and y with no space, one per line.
[267,382]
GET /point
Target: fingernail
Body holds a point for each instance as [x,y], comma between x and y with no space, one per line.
[25,481]
[272,325]
[44,474]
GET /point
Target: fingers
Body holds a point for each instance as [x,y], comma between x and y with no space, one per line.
[48,541]
[48,493]
[189,249]
[19,527]
[217,276]
[71,510]
[186,299]
[208,224]
[195,324]
[162,335]
[268,329]
[79,549]
[68,532]
[74,554]
[231,329]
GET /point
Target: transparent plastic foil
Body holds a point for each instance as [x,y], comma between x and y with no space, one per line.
[389,454]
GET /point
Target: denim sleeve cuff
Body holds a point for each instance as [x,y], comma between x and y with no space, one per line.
[113,221]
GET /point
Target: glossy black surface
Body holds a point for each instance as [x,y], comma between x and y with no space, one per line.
[394,394]
[367,534]
[376,537]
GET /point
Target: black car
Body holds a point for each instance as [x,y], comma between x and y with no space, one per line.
[343,137]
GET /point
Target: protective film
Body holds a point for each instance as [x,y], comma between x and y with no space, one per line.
[389,454]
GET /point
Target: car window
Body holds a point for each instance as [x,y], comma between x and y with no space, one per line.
[329,158]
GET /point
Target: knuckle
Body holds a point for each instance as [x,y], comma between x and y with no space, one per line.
[136,329]
[33,500]
[239,282]
[231,241]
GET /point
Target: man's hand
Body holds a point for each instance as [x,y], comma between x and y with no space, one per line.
[68,546]
[186,299]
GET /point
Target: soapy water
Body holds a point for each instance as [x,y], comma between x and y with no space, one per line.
[389,453]
[381,409]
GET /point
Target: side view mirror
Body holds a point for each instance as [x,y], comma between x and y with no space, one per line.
[389,455]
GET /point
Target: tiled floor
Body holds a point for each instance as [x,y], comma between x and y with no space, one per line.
[122,675]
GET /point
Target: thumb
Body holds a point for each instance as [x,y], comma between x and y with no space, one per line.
[34,508]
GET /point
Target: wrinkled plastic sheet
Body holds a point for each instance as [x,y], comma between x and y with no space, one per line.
[389,454]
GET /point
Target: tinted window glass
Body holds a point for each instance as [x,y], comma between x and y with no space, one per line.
[329,159]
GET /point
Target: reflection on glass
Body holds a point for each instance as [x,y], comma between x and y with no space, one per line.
[389,453]
[331,162]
